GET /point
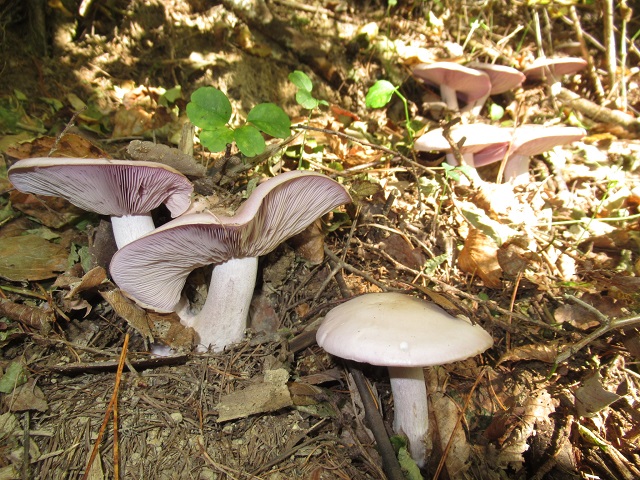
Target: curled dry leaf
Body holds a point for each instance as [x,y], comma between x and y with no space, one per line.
[545,352]
[479,256]
[70,145]
[309,244]
[33,317]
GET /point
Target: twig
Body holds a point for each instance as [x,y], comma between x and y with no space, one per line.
[607,326]
[609,41]
[352,269]
[390,463]
[591,69]
[110,407]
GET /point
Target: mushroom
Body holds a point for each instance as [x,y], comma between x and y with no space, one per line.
[125,190]
[153,269]
[502,80]
[454,81]
[530,140]
[551,70]
[489,141]
[404,334]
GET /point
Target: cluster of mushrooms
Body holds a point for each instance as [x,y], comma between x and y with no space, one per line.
[152,264]
[485,144]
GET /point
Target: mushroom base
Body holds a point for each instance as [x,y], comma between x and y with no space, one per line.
[223,318]
[411,409]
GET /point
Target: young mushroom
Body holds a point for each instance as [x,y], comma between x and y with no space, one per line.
[153,269]
[404,334]
[125,190]
[454,81]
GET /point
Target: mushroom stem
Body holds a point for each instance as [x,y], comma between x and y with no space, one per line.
[411,408]
[128,228]
[223,318]
[516,170]
[449,96]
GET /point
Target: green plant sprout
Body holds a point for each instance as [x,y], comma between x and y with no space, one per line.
[379,95]
[305,99]
[210,110]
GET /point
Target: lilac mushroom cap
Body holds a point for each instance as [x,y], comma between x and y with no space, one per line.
[404,334]
[502,80]
[488,143]
[552,70]
[125,190]
[153,269]
[454,81]
[530,140]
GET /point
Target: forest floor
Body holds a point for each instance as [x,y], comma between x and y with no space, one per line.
[549,268]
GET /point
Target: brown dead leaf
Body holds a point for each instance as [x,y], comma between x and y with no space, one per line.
[89,281]
[167,329]
[479,256]
[592,397]
[28,397]
[309,244]
[543,352]
[30,258]
[399,248]
[584,319]
[514,256]
[134,315]
[268,396]
[52,212]
[70,145]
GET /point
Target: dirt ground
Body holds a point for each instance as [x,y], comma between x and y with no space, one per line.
[549,268]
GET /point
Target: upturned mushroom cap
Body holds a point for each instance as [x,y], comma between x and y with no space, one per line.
[552,69]
[532,140]
[468,83]
[479,138]
[502,78]
[104,186]
[154,268]
[397,330]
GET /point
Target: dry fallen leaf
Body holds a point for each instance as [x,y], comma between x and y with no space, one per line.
[309,244]
[30,258]
[70,145]
[52,212]
[479,256]
[543,352]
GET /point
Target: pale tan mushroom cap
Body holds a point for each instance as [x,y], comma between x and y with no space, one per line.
[397,330]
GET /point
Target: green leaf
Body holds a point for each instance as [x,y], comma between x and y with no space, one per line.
[249,140]
[496,112]
[271,119]
[306,100]
[301,80]
[209,108]
[379,94]
[14,376]
[216,139]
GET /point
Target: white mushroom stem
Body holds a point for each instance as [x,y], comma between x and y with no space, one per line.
[516,170]
[449,96]
[223,318]
[128,228]
[411,409]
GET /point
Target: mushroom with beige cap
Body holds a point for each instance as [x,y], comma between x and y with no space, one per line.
[153,269]
[454,81]
[404,334]
[125,190]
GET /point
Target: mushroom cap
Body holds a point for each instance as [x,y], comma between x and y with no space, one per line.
[469,84]
[104,186]
[554,68]
[532,140]
[397,330]
[478,136]
[154,268]
[502,78]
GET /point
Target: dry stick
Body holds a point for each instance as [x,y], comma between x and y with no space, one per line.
[591,69]
[607,326]
[609,41]
[112,402]
[597,112]
[626,13]
[467,400]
